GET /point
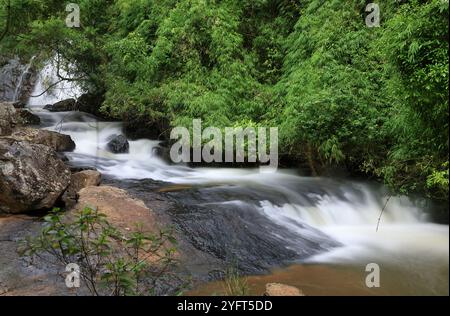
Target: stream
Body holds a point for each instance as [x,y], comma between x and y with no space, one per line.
[324,228]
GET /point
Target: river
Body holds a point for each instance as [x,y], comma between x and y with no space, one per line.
[325,227]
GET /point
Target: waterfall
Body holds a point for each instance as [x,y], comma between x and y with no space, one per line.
[50,89]
[16,79]
[20,81]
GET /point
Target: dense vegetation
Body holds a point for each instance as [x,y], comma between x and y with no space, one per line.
[372,99]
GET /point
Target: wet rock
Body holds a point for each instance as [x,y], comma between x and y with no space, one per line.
[238,233]
[19,104]
[75,169]
[138,127]
[25,117]
[32,177]
[63,157]
[162,153]
[90,103]
[17,79]
[58,142]
[62,106]
[8,118]
[78,181]
[118,144]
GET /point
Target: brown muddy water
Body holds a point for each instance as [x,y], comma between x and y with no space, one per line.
[333,280]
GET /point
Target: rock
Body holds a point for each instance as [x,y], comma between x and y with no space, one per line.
[26,276]
[31,176]
[91,102]
[78,181]
[3,289]
[75,169]
[17,79]
[25,117]
[63,157]
[8,118]
[19,104]
[59,142]
[121,209]
[62,106]
[118,144]
[278,289]
[162,153]
[138,128]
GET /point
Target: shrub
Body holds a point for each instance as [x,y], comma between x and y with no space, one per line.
[111,262]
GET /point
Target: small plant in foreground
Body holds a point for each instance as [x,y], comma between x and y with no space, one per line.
[235,283]
[111,262]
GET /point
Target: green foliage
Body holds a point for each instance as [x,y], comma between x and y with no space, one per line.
[111,262]
[415,46]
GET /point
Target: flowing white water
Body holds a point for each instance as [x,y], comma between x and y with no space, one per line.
[50,89]
[345,210]
[19,84]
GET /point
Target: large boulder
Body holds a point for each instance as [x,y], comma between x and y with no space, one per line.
[78,181]
[32,177]
[58,142]
[62,106]
[118,144]
[278,289]
[8,118]
[25,117]
[122,210]
[91,102]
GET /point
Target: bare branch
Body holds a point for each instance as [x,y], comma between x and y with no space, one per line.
[382,211]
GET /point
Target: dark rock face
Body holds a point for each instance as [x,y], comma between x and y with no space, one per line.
[139,130]
[19,105]
[28,118]
[32,177]
[17,80]
[238,233]
[162,153]
[222,233]
[90,103]
[56,141]
[62,106]
[78,181]
[118,144]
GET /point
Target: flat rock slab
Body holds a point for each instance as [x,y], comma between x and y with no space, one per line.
[121,209]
